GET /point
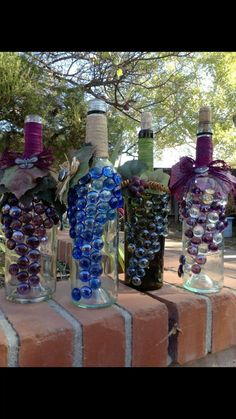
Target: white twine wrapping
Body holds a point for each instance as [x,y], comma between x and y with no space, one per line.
[96,133]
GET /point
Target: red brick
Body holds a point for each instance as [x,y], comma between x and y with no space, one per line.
[149,327]
[46,338]
[3,349]
[223,320]
[189,312]
[103,331]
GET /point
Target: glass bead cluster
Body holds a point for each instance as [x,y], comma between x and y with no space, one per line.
[147,221]
[25,229]
[205,220]
[91,204]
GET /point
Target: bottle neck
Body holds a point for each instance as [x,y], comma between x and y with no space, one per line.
[204,147]
[33,134]
[96,133]
[145,147]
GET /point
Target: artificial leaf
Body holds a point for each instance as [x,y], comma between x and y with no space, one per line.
[3,189]
[19,181]
[132,168]
[157,175]
[84,153]
[119,72]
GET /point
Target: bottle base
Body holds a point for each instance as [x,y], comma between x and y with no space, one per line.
[37,295]
[202,284]
[101,299]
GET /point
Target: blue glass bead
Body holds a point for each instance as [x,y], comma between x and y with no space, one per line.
[96,172]
[150,255]
[71,210]
[86,249]
[160,229]
[120,202]
[103,207]
[117,192]
[117,179]
[109,184]
[76,253]
[98,230]
[84,276]
[97,185]
[72,233]
[101,218]
[143,263]
[81,191]
[95,283]
[89,223]
[79,241]
[76,294]
[133,262]
[105,195]
[97,244]
[86,292]
[95,256]
[108,171]
[156,247]
[140,252]
[81,203]
[92,197]
[131,271]
[84,263]
[79,228]
[153,236]
[114,202]
[111,215]
[87,236]
[73,221]
[85,179]
[96,269]
[140,272]
[91,211]
[80,215]
[15,212]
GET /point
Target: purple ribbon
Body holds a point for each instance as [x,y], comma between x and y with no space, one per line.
[44,159]
[183,173]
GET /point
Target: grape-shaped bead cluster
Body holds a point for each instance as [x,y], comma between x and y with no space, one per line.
[203,213]
[147,221]
[92,203]
[25,229]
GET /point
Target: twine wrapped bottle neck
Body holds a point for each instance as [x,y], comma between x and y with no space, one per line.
[33,134]
[97,134]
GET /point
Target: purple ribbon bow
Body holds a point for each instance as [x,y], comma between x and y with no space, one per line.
[183,173]
[42,160]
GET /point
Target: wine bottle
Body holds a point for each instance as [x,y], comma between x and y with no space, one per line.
[205,193]
[146,221]
[30,229]
[93,218]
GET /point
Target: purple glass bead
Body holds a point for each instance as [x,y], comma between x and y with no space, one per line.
[200,259]
[222,216]
[23,289]
[207,237]
[7,220]
[48,223]
[6,208]
[26,217]
[34,268]
[37,220]
[8,232]
[50,211]
[217,206]
[225,223]
[202,219]
[28,229]
[13,200]
[22,276]
[14,269]
[188,233]
[15,212]
[55,219]
[220,226]
[39,208]
[11,244]
[33,242]
[196,191]
[21,249]
[192,250]
[86,292]
[18,236]
[40,231]
[180,270]
[196,269]
[23,261]
[34,280]
[205,208]
[185,212]
[182,259]
[196,199]
[191,221]
[34,254]
[16,225]
[213,247]
[196,240]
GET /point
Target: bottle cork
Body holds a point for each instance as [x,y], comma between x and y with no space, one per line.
[146,120]
[205,115]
